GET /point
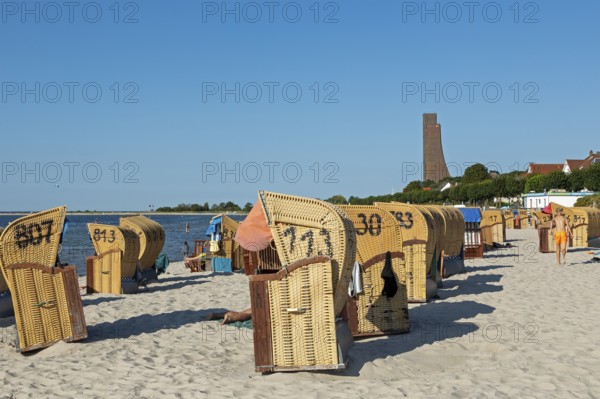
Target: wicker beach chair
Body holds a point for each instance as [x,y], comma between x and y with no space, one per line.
[493,226]
[526,221]
[113,269]
[371,312]
[229,254]
[435,221]
[453,240]
[46,299]
[509,218]
[295,312]
[473,236]
[418,246]
[584,223]
[152,240]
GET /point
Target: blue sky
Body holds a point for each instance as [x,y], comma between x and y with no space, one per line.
[162,132]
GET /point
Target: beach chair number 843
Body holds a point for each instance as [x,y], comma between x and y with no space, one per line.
[33,233]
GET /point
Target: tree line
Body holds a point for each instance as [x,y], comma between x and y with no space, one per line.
[228,206]
[479,186]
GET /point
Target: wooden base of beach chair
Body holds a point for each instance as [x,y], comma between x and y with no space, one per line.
[295,326]
[47,305]
[103,275]
[474,252]
[546,241]
[6,307]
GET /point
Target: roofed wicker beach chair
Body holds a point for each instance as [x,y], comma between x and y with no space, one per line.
[584,223]
[113,269]
[377,304]
[453,243]
[435,222]
[45,297]
[152,240]
[225,254]
[509,218]
[296,310]
[493,226]
[526,221]
[418,246]
[473,236]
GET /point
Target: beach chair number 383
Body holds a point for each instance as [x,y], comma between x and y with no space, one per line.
[33,233]
[309,237]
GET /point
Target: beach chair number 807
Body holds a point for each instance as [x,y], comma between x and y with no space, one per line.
[33,233]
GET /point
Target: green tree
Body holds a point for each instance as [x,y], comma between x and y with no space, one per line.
[592,179]
[556,180]
[413,186]
[248,207]
[577,180]
[475,173]
[337,199]
[534,183]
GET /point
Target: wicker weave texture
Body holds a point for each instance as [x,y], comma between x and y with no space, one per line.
[509,218]
[305,227]
[151,236]
[454,238]
[438,227]
[106,237]
[525,219]
[414,231]
[31,239]
[303,317]
[47,306]
[493,225]
[378,232]
[41,309]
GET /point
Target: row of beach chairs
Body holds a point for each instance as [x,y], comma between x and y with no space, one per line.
[44,295]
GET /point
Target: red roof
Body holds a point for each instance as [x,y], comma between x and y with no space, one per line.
[589,161]
[574,163]
[544,168]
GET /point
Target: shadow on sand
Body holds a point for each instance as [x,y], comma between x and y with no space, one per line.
[472,285]
[146,324]
[429,323]
[88,300]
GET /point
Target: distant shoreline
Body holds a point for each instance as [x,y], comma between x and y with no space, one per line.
[76,213]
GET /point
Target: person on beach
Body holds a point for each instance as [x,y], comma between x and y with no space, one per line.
[185,250]
[231,316]
[562,231]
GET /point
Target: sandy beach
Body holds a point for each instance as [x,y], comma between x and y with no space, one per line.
[514,325]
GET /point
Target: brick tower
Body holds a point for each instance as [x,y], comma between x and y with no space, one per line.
[434,164]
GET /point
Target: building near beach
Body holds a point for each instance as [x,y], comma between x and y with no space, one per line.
[540,200]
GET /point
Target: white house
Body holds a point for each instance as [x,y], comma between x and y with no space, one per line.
[540,200]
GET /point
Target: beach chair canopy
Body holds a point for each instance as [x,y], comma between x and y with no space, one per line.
[471,215]
[151,235]
[222,226]
[302,228]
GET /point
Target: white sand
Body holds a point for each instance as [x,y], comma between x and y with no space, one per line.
[515,325]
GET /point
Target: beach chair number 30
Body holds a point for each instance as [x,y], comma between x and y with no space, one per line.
[373,227]
[33,233]
[308,237]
